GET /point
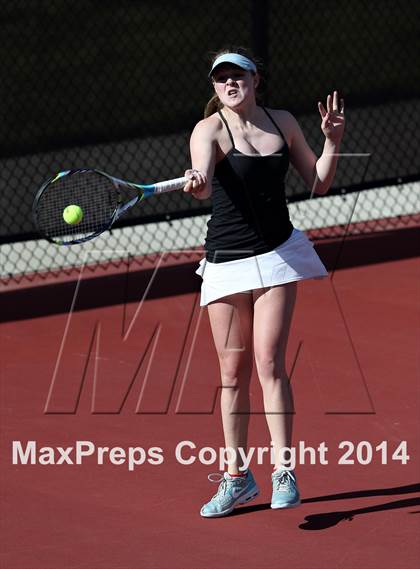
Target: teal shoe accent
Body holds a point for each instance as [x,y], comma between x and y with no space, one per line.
[232,492]
[285,491]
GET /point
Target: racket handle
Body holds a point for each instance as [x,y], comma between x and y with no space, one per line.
[168,185]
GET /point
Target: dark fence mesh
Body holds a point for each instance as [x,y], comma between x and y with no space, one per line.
[119,85]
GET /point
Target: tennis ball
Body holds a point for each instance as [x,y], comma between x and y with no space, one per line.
[73,214]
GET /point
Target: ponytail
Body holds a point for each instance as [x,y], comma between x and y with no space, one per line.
[212,106]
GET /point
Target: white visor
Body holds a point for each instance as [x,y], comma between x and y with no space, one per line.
[235,59]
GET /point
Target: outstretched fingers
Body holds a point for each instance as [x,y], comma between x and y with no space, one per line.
[333,104]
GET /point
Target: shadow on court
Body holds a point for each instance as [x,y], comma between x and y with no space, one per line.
[330,519]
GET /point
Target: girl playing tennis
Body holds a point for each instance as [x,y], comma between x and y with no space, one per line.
[240,155]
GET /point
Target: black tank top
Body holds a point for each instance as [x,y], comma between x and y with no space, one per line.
[250,214]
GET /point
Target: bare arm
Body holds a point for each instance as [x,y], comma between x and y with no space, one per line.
[203,157]
[318,174]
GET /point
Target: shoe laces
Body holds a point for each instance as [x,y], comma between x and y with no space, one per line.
[215,478]
[283,479]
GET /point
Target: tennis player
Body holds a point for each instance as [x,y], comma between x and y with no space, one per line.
[240,155]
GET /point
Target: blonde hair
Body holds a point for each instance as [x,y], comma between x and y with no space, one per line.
[214,104]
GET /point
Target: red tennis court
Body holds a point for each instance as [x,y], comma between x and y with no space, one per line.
[353,357]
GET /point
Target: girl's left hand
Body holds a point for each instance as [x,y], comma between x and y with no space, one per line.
[333,120]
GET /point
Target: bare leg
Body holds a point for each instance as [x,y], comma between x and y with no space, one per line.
[273,310]
[231,324]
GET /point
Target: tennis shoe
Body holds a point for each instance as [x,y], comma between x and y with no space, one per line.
[285,491]
[232,491]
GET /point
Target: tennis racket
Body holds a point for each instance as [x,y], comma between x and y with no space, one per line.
[99,197]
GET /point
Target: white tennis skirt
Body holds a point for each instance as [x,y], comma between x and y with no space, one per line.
[293,260]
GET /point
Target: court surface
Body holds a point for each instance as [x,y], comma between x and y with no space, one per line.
[353,358]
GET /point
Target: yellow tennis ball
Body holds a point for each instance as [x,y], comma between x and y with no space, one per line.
[73,214]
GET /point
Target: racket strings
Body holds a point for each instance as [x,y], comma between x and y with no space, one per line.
[94,193]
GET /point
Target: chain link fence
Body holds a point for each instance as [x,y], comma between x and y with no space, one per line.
[119,85]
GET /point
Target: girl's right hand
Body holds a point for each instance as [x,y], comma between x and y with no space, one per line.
[196,184]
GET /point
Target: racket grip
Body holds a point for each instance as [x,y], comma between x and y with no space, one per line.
[169,185]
